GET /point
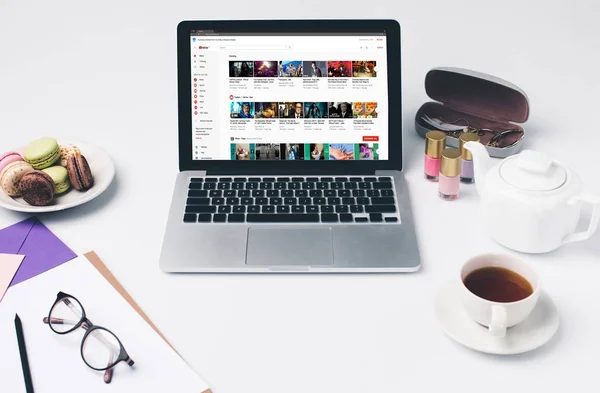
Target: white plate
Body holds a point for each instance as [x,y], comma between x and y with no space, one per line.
[102,169]
[535,331]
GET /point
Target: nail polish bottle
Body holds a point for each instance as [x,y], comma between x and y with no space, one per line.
[449,174]
[467,174]
[435,142]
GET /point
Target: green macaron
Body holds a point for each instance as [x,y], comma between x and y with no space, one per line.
[42,153]
[60,177]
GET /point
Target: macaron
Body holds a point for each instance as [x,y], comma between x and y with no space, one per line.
[80,173]
[66,151]
[60,177]
[11,176]
[9,158]
[37,188]
[42,153]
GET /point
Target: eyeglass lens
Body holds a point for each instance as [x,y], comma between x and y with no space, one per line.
[65,315]
[101,349]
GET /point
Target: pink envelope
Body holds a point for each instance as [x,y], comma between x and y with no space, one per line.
[41,248]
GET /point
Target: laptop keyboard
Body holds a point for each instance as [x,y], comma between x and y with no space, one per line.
[328,200]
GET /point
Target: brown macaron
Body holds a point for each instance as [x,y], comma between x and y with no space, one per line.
[37,188]
[79,172]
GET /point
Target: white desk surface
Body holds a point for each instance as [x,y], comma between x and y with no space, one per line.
[106,73]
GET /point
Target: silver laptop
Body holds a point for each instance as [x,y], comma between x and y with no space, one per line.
[290,149]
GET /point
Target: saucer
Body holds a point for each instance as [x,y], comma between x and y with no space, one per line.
[535,331]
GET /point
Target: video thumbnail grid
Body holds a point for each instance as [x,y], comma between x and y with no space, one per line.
[303,69]
[304,151]
[302,110]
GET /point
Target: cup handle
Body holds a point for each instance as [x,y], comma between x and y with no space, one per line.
[594,221]
[497,327]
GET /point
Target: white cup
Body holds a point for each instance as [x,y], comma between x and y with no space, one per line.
[498,316]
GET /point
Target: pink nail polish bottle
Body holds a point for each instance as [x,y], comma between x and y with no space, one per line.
[449,174]
[435,142]
[467,174]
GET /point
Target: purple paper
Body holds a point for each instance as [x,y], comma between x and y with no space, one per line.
[42,249]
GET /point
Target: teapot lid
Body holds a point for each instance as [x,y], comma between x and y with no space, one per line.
[533,171]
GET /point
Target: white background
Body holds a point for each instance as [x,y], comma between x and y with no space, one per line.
[105,72]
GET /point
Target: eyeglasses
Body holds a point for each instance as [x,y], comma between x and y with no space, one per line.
[100,349]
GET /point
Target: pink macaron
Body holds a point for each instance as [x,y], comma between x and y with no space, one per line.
[8,158]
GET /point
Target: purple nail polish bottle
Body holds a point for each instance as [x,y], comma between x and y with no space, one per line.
[467,174]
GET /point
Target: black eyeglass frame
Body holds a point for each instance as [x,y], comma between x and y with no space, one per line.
[89,327]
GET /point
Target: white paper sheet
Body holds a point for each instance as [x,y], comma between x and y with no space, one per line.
[55,360]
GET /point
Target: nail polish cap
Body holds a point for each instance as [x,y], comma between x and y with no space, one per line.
[464,138]
[435,142]
[450,164]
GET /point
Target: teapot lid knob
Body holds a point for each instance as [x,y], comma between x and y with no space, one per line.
[533,171]
[535,161]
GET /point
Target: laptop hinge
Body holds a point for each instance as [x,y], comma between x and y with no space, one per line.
[275,172]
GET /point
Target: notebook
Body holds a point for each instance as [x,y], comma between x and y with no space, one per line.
[55,360]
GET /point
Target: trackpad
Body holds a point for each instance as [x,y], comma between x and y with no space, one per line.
[289,246]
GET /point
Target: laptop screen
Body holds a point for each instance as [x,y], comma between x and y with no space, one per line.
[289,96]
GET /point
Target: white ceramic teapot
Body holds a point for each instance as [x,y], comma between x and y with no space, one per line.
[530,202]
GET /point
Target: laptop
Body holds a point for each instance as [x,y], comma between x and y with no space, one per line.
[290,149]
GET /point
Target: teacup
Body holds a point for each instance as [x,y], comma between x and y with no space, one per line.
[498,291]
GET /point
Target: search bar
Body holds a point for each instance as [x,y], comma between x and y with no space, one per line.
[255,47]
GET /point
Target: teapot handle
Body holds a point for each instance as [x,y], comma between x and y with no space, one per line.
[594,221]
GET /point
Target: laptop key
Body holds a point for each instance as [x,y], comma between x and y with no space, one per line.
[239,179]
[297,209]
[197,193]
[346,217]
[219,217]
[208,186]
[237,186]
[224,209]
[218,201]
[319,201]
[337,186]
[333,201]
[308,186]
[348,201]
[364,185]
[341,209]
[341,179]
[376,217]
[370,179]
[358,193]
[188,217]
[272,193]
[266,186]
[282,218]
[211,179]
[327,179]
[301,193]
[280,186]
[254,209]
[362,201]
[236,218]
[262,201]
[258,193]
[233,201]
[330,193]
[315,193]
[229,193]
[275,201]
[243,193]
[254,179]
[239,209]
[283,179]
[247,201]
[204,217]
[382,201]
[327,209]
[322,186]
[312,179]
[287,193]
[329,218]
[356,179]
[197,179]
[196,186]
[380,209]
[225,179]
[361,219]
[215,193]
[268,209]
[268,179]
[391,219]
[387,193]
[382,185]
[304,201]
[251,186]
[283,209]
[289,201]
[201,209]
[385,179]
[350,186]
[356,209]
[312,209]
[298,179]
[294,186]
[344,193]
[373,193]
[197,201]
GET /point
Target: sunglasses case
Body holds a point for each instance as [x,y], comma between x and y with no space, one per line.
[485,101]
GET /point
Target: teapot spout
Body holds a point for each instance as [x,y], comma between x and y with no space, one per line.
[481,163]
